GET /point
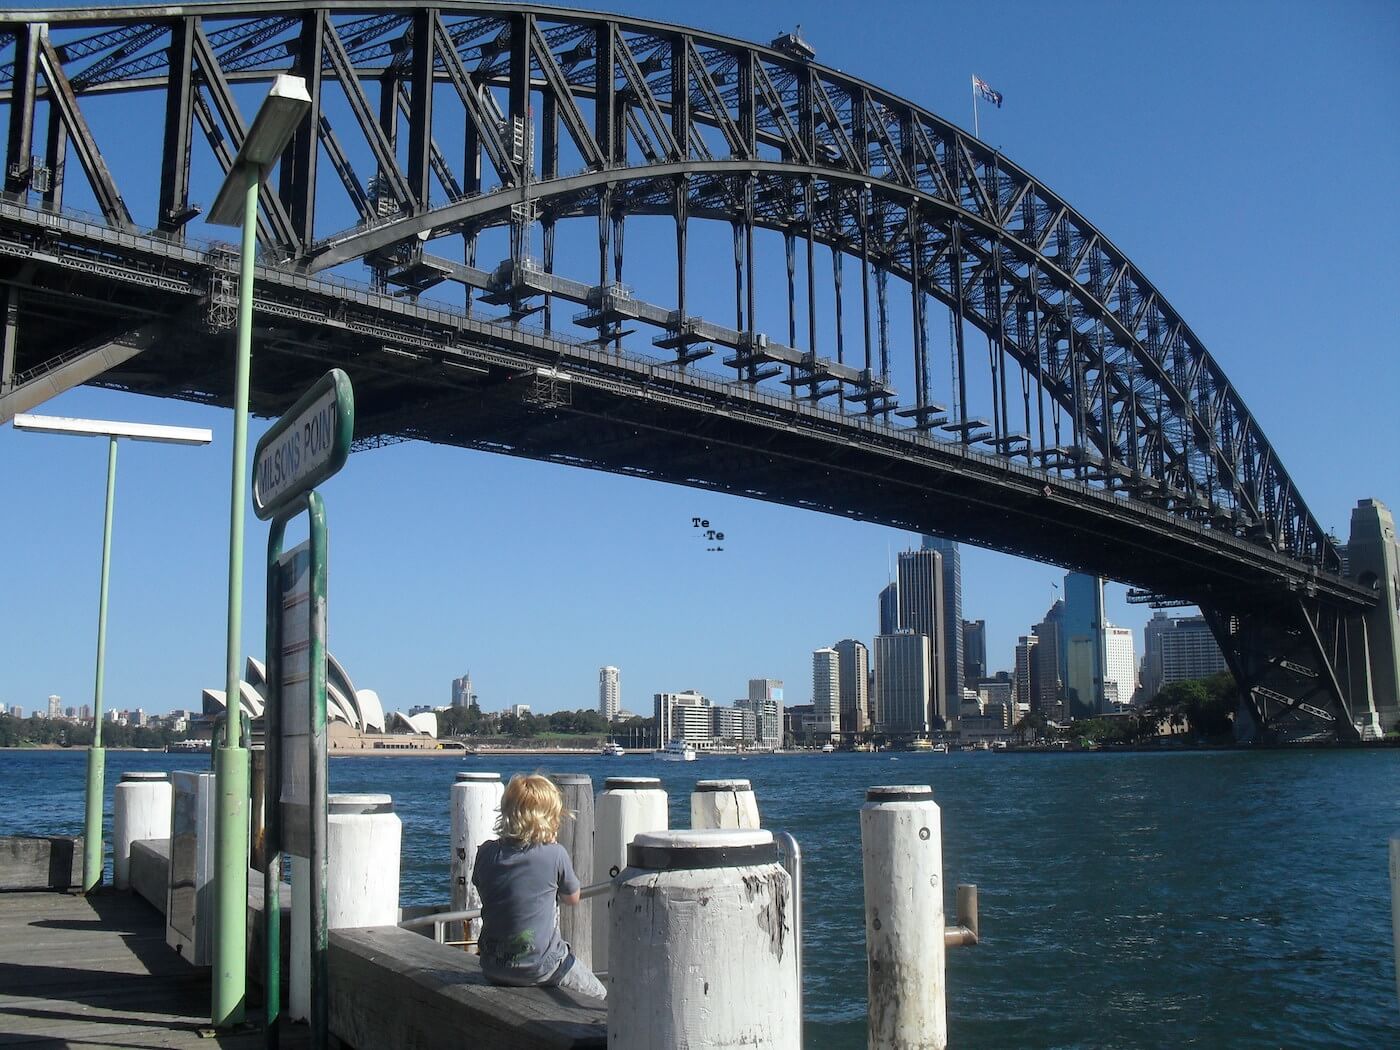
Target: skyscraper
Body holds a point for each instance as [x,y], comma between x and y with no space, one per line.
[826,693]
[921,611]
[462,695]
[1049,671]
[766,700]
[951,639]
[853,661]
[889,609]
[1177,649]
[55,706]
[1025,666]
[609,692]
[1120,664]
[904,682]
[1083,642]
[974,640]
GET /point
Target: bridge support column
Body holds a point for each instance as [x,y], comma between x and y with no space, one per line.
[9,336]
[1373,557]
[1291,660]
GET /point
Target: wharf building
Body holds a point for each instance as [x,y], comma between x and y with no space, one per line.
[609,692]
[853,670]
[1177,649]
[904,684]
[826,693]
[948,639]
[921,606]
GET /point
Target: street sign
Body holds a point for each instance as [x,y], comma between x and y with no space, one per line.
[306,446]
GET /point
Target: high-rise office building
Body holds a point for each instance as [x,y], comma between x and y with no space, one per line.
[766,701]
[1120,664]
[826,693]
[1177,649]
[1151,672]
[1049,672]
[921,611]
[853,659]
[609,692]
[889,609]
[1083,642]
[734,725]
[950,641]
[55,706]
[462,695]
[682,716]
[1024,676]
[904,683]
[974,641]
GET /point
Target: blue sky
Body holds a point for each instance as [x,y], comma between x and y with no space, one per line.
[1241,154]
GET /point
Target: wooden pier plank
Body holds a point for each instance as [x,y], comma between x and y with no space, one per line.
[87,972]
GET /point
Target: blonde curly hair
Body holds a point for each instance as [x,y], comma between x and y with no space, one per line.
[531,809]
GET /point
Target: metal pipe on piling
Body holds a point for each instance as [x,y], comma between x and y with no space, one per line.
[902,854]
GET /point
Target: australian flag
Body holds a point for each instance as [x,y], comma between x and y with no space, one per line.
[985,90]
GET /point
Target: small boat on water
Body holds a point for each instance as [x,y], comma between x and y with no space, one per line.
[612,749]
[828,748]
[677,751]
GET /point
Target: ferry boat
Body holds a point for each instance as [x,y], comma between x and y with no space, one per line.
[613,750]
[828,748]
[677,751]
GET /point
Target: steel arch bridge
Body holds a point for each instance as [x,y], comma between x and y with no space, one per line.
[959,352]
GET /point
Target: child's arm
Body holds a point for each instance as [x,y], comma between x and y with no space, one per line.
[570,889]
[571,898]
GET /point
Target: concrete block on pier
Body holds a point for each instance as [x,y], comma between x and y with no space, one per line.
[41,862]
[391,987]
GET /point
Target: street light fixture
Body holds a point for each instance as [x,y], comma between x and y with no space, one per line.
[283,110]
[97,755]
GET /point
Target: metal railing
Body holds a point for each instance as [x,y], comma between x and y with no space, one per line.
[438,920]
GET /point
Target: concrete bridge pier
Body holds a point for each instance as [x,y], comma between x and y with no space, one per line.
[1373,560]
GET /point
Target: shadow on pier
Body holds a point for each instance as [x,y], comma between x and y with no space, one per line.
[96,971]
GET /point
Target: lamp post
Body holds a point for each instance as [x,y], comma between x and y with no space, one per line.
[97,755]
[277,119]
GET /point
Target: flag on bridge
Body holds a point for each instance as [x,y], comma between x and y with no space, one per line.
[985,90]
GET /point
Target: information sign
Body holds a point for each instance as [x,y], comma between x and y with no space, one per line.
[306,446]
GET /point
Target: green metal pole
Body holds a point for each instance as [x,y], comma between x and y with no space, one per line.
[97,754]
[231,761]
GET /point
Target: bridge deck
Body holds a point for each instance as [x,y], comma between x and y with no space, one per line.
[96,971]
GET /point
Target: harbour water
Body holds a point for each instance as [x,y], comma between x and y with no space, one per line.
[1127,900]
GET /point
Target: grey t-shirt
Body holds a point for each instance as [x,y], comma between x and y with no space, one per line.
[520,886]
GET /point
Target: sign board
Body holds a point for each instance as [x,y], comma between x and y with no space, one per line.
[306,446]
[296,648]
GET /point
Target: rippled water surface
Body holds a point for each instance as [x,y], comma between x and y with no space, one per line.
[1127,900]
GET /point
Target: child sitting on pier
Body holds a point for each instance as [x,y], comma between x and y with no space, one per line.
[522,875]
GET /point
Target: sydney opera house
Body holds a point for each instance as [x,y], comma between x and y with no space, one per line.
[355,718]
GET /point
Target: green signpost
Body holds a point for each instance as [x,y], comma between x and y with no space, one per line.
[306,446]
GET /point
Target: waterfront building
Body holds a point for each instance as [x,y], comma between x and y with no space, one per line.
[1083,645]
[1120,664]
[904,683]
[1022,681]
[682,716]
[921,606]
[826,693]
[949,639]
[734,726]
[974,642]
[55,706]
[609,692]
[766,700]
[799,722]
[462,695]
[889,608]
[853,660]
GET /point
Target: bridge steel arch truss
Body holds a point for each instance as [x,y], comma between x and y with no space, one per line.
[440,124]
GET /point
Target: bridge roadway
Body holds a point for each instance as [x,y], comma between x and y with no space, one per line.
[435,374]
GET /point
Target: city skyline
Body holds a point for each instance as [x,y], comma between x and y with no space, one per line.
[607,567]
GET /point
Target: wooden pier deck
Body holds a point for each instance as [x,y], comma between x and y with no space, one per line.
[96,972]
